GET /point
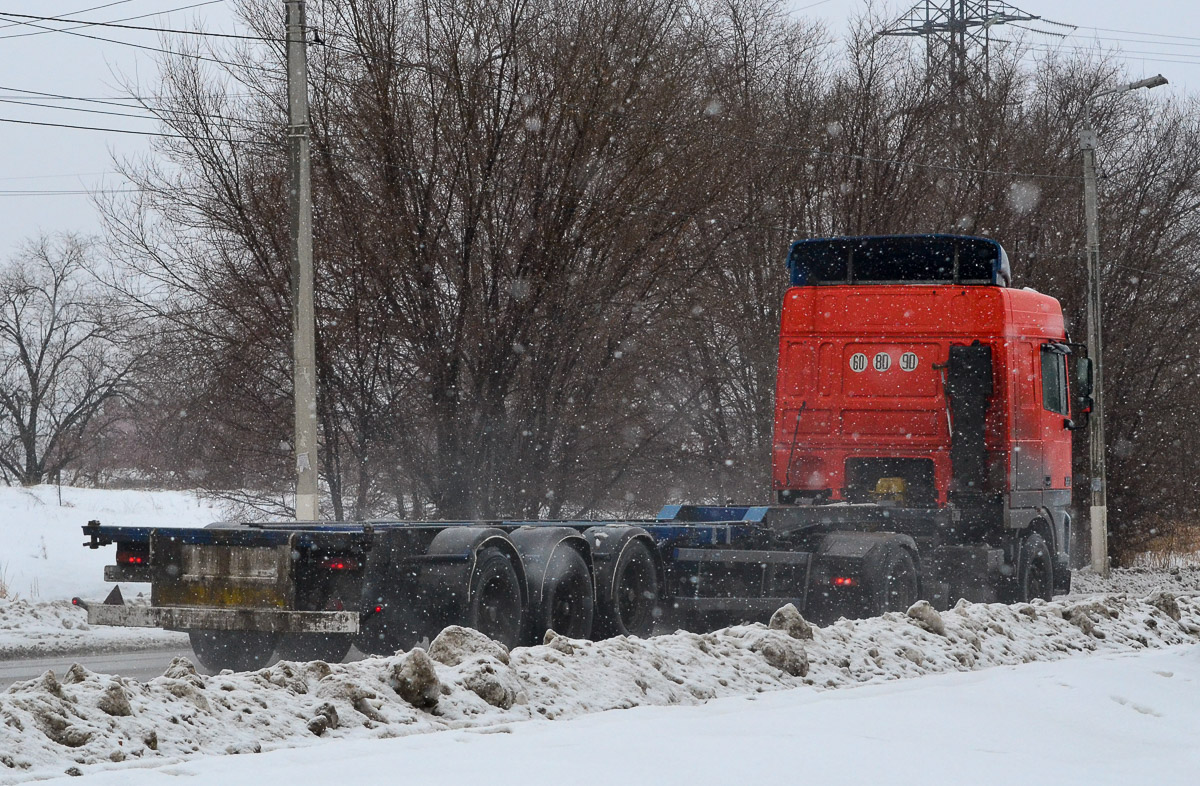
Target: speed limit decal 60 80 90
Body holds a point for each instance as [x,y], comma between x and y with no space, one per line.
[882,361]
[908,361]
[858,362]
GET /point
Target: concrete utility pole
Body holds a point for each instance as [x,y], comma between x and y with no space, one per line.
[303,312]
[1098,519]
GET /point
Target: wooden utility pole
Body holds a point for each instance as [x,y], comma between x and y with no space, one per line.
[303,312]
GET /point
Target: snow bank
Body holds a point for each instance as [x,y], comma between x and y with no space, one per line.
[30,630]
[43,557]
[80,721]
[1140,581]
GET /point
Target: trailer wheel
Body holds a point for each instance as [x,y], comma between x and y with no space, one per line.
[237,650]
[895,587]
[629,605]
[567,602]
[1035,569]
[495,604]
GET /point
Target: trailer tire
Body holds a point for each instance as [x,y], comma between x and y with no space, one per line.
[629,603]
[567,603]
[895,586]
[494,605]
[1035,569]
[237,650]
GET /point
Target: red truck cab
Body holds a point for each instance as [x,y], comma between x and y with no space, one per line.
[910,371]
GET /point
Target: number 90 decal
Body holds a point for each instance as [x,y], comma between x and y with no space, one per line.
[882,362]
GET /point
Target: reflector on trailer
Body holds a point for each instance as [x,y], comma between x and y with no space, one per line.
[339,563]
[844,581]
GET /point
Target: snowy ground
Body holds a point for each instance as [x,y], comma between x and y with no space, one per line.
[1108,719]
[43,564]
[42,556]
[1123,702]
[88,722]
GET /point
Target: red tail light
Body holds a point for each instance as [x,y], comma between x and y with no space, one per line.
[340,563]
[844,581]
[132,557]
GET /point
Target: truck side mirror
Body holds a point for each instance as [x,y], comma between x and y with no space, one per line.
[1081,378]
[1081,388]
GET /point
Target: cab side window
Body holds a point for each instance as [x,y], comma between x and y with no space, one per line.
[1054,381]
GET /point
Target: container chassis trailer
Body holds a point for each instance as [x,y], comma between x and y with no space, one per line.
[922,450]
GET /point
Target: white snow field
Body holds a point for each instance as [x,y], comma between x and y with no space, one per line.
[43,564]
[1109,719]
[42,557]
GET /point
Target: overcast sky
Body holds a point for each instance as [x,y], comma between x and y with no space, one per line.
[48,171]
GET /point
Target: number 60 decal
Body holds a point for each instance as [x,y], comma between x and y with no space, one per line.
[882,361]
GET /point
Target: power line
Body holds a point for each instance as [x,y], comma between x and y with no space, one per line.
[1134,32]
[117,24]
[90,24]
[143,46]
[84,11]
[65,192]
[51,177]
[157,111]
[1125,54]
[1115,50]
[162,134]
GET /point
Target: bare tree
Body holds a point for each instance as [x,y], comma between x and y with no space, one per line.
[66,348]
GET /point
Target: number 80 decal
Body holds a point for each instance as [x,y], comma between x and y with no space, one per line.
[882,362]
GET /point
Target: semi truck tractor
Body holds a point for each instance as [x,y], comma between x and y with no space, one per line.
[922,450]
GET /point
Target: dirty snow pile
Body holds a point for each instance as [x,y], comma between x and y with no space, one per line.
[1180,579]
[29,630]
[81,722]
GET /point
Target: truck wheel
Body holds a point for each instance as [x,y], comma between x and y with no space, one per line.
[895,586]
[1035,569]
[567,603]
[495,606]
[238,650]
[329,647]
[629,605]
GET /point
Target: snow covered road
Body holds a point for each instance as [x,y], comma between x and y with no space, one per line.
[1104,719]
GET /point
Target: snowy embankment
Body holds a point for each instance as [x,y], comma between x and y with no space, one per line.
[43,564]
[84,722]
[1108,720]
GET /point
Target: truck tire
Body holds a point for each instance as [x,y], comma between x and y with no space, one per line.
[1035,569]
[567,602]
[895,585]
[494,606]
[628,604]
[237,650]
